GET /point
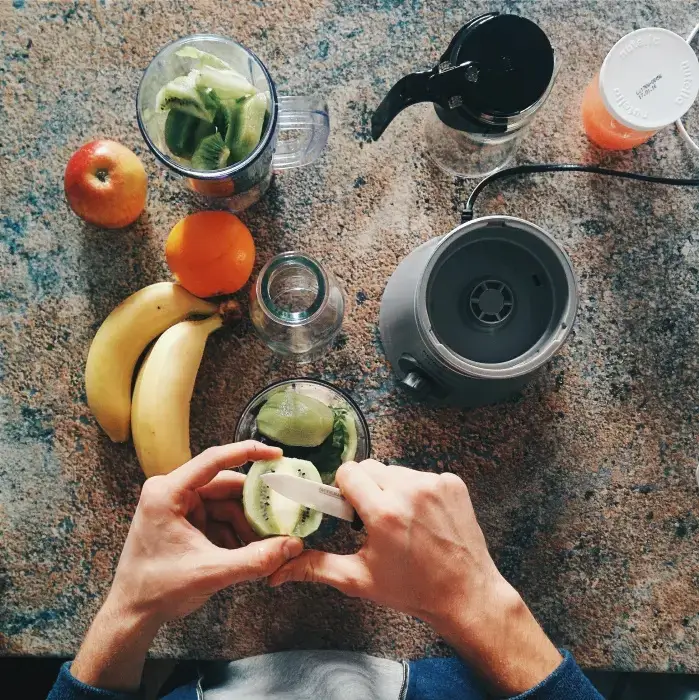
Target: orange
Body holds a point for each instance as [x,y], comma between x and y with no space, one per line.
[210,253]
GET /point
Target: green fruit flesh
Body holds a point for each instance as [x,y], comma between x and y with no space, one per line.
[182,94]
[351,439]
[211,154]
[183,132]
[295,419]
[251,119]
[268,512]
[228,84]
[203,58]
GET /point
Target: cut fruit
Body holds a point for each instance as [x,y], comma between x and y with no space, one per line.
[268,512]
[250,121]
[226,120]
[183,132]
[182,94]
[228,84]
[295,419]
[204,58]
[351,439]
[211,154]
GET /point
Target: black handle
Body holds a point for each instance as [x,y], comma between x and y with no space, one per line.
[357,523]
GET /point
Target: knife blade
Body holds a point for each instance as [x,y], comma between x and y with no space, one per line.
[326,499]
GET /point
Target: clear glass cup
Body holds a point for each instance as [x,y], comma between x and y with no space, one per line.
[296,306]
[317,389]
[304,120]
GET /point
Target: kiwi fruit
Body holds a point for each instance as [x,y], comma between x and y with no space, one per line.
[183,132]
[202,57]
[295,419]
[211,153]
[268,512]
[227,84]
[250,120]
[183,95]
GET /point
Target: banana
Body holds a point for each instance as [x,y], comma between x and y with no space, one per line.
[161,398]
[121,340]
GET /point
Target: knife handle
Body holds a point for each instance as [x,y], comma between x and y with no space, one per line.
[357,523]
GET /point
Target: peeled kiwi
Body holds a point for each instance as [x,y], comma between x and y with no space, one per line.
[249,124]
[295,419]
[228,84]
[183,132]
[183,95]
[268,512]
[211,154]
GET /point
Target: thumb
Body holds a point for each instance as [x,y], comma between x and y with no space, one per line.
[347,572]
[257,559]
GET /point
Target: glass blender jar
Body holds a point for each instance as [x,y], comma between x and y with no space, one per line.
[236,186]
[493,78]
[296,306]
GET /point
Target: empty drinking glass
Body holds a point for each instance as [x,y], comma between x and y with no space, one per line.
[296,306]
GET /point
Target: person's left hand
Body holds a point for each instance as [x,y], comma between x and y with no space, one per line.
[188,539]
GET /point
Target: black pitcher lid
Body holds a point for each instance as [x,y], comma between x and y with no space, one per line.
[515,63]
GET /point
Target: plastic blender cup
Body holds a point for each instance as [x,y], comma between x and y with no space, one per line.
[648,80]
[239,185]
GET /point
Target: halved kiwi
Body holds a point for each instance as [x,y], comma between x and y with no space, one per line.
[295,419]
[183,132]
[228,84]
[211,154]
[268,512]
[182,94]
[250,121]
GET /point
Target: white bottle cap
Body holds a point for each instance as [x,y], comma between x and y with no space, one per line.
[649,79]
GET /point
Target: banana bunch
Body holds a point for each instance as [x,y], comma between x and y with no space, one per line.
[158,415]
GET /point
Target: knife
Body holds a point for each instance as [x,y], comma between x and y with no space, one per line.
[326,499]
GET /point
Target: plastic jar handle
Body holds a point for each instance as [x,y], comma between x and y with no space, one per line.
[308,118]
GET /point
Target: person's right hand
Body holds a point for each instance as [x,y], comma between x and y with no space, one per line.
[425,555]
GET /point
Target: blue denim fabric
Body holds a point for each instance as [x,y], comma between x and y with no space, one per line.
[442,679]
[428,679]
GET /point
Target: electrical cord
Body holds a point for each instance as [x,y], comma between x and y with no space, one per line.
[467,213]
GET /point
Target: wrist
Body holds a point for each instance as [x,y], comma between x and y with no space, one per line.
[498,636]
[114,650]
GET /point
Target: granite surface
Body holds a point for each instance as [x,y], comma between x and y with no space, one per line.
[584,483]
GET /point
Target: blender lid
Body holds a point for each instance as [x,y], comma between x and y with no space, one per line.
[515,64]
[496,68]
[649,79]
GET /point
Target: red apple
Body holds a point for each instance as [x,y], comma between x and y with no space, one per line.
[106,184]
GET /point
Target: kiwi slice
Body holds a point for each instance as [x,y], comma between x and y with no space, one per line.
[268,512]
[204,58]
[183,95]
[351,439]
[226,118]
[295,419]
[211,154]
[183,132]
[227,84]
[250,120]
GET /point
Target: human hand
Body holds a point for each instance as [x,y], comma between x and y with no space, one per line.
[188,539]
[425,555]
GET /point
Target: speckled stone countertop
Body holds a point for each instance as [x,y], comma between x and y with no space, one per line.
[584,483]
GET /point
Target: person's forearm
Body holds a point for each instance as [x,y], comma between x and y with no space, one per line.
[114,650]
[504,643]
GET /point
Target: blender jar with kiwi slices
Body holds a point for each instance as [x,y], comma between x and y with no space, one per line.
[309,419]
[208,109]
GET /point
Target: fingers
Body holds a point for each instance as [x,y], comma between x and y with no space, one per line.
[256,560]
[204,467]
[360,489]
[347,573]
[224,486]
[231,512]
